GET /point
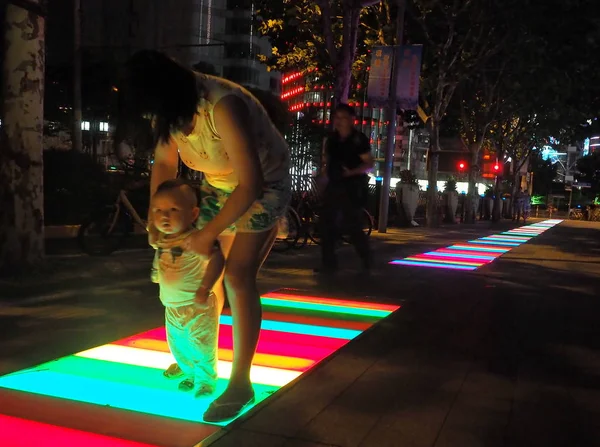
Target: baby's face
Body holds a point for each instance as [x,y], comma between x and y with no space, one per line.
[172,215]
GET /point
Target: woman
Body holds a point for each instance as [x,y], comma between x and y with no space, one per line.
[219,128]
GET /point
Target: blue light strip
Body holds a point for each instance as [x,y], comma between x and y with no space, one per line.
[493,246]
[500,244]
[433,265]
[469,248]
[459,255]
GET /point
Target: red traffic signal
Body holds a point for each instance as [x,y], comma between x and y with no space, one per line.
[462,165]
[496,167]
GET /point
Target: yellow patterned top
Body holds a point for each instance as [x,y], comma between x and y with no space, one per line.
[203,149]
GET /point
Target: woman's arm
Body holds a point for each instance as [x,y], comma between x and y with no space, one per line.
[233,124]
[166,162]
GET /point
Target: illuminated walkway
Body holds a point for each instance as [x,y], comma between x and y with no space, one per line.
[115,395]
[479,252]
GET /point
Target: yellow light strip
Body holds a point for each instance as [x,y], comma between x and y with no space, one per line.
[161,360]
[272,360]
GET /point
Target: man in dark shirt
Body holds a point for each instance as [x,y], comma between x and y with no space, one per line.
[346,160]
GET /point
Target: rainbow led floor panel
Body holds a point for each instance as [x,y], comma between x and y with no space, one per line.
[115,394]
[479,252]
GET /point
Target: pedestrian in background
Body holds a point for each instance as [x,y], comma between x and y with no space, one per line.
[346,161]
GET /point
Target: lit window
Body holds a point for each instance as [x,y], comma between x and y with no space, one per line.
[103,127]
[85,125]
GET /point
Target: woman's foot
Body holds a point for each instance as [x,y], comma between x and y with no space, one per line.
[173,372]
[230,404]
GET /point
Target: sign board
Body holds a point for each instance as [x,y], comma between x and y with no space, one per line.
[409,71]
[582,185]
[399,143]
[380,73]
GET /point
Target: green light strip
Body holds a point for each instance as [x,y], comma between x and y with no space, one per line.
[117,385]
[326,308]
[304,329]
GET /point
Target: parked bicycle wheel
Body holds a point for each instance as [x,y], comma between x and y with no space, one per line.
[288,236]
[367,225]
[313,229]
[103,232]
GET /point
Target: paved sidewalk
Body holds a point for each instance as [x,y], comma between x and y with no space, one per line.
[504,356]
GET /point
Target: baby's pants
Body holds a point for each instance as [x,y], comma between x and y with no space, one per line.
[192,334]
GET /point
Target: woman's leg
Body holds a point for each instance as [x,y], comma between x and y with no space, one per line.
[243,262]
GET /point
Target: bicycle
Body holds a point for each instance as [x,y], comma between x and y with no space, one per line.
[290,228]
[310,215]
[106,229]
[576,214]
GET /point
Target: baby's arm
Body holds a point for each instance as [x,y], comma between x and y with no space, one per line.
[154,271]
[213,273]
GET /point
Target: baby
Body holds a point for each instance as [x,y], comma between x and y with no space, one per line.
[186,280]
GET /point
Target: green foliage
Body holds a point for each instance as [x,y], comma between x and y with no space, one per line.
[302,41]
[538,199]
[407,177]
[544,174]
[589,171]
[450,185]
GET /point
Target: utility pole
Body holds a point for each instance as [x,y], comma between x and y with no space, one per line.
[77,103]
[391,130]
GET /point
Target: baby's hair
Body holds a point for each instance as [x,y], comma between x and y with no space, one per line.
[190,193]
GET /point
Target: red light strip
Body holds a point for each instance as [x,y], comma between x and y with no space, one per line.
[17,432]
[331,301]
[466,260]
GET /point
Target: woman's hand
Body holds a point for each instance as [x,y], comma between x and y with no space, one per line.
[200,242]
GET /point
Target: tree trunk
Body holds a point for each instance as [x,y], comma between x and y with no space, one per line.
[344,58]
[497,210]
[432,196]
[516,186]
[21,153]
[474,149]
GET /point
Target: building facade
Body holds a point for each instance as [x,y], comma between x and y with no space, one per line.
[305,97]
[217,33]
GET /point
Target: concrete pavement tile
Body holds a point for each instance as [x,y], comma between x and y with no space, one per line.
[587,399]
[411,427]
[485,420]
[294,408]
[462,438]
[339,425]
[548,415]
[488,385]
[393,438]
[302,443]
[245,438]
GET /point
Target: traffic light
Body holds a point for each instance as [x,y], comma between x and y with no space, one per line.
[496,167]
[462,166]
